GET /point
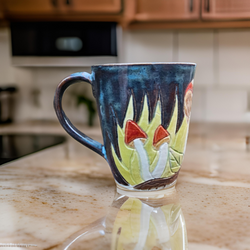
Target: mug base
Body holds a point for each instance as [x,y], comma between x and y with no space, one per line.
[152,193]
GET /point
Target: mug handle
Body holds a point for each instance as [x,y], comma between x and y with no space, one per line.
[64,120]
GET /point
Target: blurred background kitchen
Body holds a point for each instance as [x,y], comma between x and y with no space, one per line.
[215,34]
[49,196]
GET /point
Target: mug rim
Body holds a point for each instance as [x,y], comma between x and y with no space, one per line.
[144,63]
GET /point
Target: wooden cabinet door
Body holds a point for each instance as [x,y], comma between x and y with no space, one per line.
[157,10]
[92,6]
[225,9]
[30,6]
[1,10]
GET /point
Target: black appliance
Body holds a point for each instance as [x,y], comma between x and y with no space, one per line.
[75,39]
[7,103]
[14,146]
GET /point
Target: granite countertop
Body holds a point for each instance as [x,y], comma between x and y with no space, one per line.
[54,196]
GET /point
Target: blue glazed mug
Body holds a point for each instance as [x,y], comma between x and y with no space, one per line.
[144,110]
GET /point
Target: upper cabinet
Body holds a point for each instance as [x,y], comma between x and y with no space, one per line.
[59,8]
[225,9]
[1,11]
[30,6]
[92,6]
[167,10]
[186,14]
[134,14]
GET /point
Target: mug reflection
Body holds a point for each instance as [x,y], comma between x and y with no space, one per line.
[135,224]
[141,224]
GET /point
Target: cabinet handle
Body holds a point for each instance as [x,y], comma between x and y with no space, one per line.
[67,2]
[207,5]
[54,3]
[191,5]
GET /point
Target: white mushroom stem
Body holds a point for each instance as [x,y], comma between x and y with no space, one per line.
[160,224]
[145,173]
[161,164]
[144,226]
[161,227]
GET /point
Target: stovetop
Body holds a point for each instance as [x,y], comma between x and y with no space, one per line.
[14,146]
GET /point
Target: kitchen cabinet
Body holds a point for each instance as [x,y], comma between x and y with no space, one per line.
[167,10]
[186,14]
[225,9]
[91,6]
[1,10]
[36,8]
[30,6]
[134,14]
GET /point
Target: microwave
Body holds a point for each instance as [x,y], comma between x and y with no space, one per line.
[64,43]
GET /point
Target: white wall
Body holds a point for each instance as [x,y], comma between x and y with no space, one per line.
[222,80]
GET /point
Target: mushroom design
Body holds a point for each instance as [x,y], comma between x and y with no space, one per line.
[135,138]
[188,100]
[160,142]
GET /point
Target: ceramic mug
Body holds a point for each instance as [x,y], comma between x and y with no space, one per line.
[144,109]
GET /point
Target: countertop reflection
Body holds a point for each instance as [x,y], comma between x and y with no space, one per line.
[51,197]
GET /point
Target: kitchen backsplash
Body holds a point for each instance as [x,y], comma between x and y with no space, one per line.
[222,81]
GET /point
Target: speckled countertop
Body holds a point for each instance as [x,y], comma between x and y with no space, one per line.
[48,198]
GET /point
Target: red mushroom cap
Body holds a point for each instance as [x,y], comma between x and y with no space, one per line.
[160,133]
[133,131]
[189,87]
